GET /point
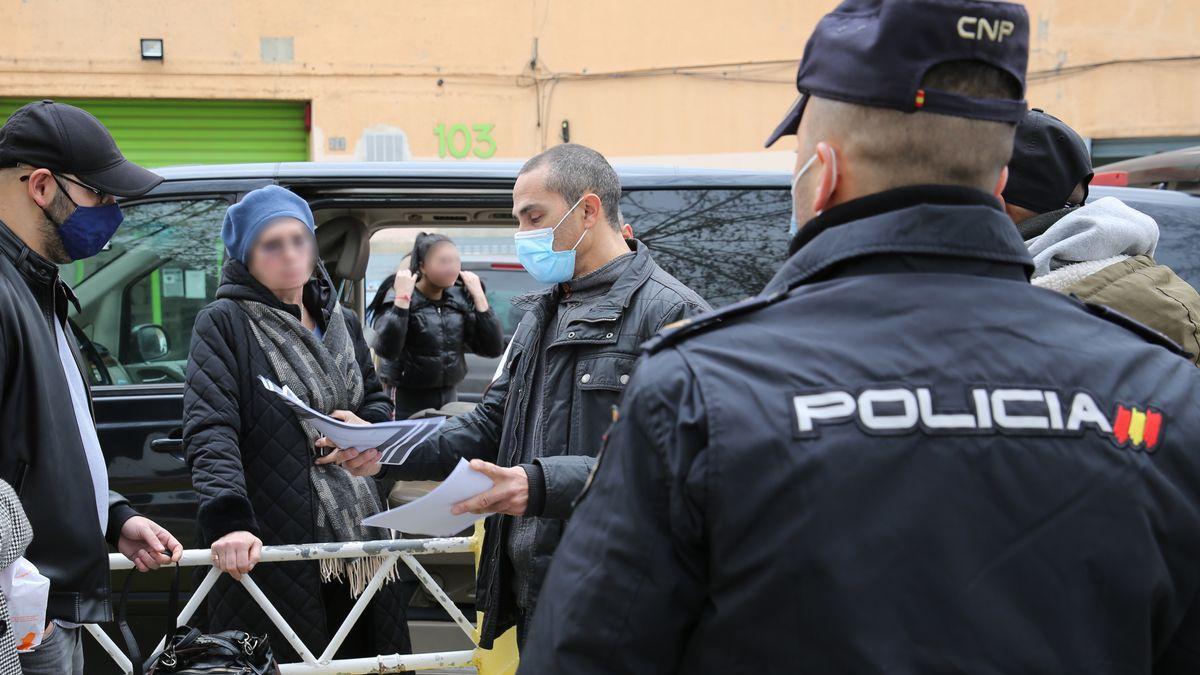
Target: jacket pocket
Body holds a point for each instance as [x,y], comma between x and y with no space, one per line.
[599,382]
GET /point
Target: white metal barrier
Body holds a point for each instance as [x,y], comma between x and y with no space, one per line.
[392,551]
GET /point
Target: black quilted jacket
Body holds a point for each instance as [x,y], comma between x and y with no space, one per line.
[249,460]
[424,346]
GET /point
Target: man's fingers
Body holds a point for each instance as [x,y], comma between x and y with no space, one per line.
[147,534]
[174,550]
[331,458]
[148,558]
[324,442]
[477,504]
[487,468]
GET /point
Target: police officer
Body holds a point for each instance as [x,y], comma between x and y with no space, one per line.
[901,457]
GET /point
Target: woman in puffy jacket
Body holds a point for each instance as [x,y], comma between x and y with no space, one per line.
[426,318]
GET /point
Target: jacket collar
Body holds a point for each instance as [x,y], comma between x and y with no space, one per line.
[455,297]
[39,273]
[612,304]
[934,221]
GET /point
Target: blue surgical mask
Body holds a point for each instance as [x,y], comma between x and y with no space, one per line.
[535,250]
[794,227]
[85,232]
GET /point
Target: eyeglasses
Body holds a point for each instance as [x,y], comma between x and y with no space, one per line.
[276,247]
[102,197]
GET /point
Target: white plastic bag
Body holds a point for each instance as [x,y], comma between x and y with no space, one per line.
[27,593]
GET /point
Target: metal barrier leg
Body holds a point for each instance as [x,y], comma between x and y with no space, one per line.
[277,619]
[111,647]
[193,604]
[357,610]
[441,597]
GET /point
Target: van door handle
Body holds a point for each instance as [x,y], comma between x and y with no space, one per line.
[171,445]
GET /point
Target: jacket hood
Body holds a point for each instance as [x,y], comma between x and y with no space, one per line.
[1103,229]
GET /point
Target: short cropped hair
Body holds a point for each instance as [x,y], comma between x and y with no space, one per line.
[575,170]
[895,148]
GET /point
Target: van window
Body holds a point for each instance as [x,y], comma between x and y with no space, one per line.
[140,296]
[725,243]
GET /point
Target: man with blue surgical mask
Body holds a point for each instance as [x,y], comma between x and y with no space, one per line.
[542,422]
[60,172]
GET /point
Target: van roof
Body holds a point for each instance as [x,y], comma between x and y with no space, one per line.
[500,171]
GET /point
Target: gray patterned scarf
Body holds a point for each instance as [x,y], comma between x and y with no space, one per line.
[324,374]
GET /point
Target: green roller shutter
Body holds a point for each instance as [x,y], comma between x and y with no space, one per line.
[164,132]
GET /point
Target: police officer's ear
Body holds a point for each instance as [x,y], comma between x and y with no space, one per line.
[589,209]
[1000,183]
[827,177]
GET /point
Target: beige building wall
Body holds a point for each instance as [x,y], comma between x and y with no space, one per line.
[674,79]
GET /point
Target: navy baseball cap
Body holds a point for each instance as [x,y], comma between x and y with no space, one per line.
[1049,159]
[876,52]
[66,139]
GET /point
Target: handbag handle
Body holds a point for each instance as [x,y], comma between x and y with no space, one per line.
[131,644]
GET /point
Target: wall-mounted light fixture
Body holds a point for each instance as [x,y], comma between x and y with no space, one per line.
[152,49]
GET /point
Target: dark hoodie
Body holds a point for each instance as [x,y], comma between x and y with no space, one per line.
[250,463]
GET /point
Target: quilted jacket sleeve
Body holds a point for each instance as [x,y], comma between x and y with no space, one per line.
[212,426]
[376,406]
[391,331]
[484,334]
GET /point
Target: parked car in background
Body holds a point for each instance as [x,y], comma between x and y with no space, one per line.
[1173,170]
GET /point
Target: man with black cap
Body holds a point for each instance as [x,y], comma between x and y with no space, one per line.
[60,172]
[901,457]
[1102,251]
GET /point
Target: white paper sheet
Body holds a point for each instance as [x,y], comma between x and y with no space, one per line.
[394,440]
[430,514]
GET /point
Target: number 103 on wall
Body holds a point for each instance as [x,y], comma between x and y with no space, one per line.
[459,140]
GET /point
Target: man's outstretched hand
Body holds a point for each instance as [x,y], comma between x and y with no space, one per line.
[143,542]
[509,495]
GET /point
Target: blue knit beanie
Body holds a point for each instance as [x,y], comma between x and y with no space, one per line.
[245,220]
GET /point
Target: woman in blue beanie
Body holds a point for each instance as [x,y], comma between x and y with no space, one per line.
[253,461]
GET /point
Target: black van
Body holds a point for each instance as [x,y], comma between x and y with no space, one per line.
[723,233]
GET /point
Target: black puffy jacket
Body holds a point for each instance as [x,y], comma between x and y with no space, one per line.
[250,465]
[43,456]
[424,346]
[900,458]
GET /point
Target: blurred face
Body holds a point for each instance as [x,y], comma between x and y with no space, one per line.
[284,255]
[442,264]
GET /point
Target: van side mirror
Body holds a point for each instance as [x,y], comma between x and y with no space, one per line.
[151,342]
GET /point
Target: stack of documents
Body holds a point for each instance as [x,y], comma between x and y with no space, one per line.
[394,440]
[429,515]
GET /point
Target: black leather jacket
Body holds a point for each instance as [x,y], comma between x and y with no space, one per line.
[424,346]
[43,456]
[598,349]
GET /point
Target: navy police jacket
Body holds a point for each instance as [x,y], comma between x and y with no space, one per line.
[900,458]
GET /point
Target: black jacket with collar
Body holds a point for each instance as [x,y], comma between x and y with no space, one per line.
[902,458]
[596,352]
[43,457]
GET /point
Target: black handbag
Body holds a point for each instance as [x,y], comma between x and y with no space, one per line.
[188,651]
